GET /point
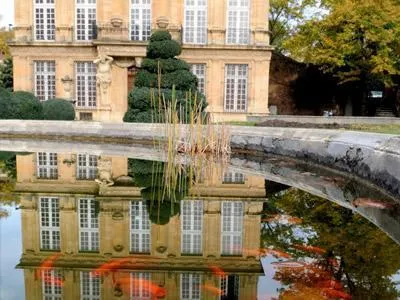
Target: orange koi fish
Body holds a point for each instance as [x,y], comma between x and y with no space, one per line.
[217,271]
[335,294]
[214,290]
[309,248]
[47,264]
[110,266]
[368,202]
[146,285]
[289,264]
[278,253]
[330,284]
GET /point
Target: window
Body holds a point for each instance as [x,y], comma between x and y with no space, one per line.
[140,227]
[238,22]
[190,286]
[236,77]
[88,225]
[90,286]
[49,223]
[51,284]
[232,226]
[45,80]
[230,287]
[140,286]
[195,22]
[140,20]
[85,19]
[86,167]
[47,166]
[44,20]
[85,84]
[200,71]
[191,226]
[233,177]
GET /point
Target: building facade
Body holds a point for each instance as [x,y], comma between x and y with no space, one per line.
[62,48]
[65,213]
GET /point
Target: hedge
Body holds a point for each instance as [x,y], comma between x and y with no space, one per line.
[58,109]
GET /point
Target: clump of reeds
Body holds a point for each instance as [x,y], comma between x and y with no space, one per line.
[190,135]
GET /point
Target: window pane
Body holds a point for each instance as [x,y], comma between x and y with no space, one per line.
[140,22]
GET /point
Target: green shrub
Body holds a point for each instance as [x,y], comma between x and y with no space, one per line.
[160,212]
[138,116]
[8,109]
[166,65]
[28,107]
[183,80]
[58,109]
[160,35]
[145,79]
[163,49]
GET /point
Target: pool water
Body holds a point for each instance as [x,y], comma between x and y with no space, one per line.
[97,226]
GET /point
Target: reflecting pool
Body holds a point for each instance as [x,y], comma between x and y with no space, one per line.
[91,225]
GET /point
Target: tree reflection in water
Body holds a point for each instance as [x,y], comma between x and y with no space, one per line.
[352,256]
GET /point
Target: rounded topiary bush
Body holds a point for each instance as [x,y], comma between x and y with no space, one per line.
[28,107]
[166,65]
[160,35]
[146,79]
[182,80]
[58,109]
[8,109]
[163,49]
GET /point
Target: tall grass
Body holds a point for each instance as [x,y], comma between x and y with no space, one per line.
[193,143]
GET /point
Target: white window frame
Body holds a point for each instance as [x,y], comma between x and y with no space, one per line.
[233,178]
[142,6]
[90,286]
[49,220]
[192,227]
[49,24]
[240,88]
[140,286]
[89,26]
[88,225]
[190,286]
[224,286]
[47,163]
[232,213]
[238,33]
[45,79]
[51,289]
[140,228]
[86,166]
[195,32]
[200,70]
[86,86]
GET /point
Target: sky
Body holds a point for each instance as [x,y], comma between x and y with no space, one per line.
[6,12]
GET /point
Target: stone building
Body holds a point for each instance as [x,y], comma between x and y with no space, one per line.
[57,43]
[65,212]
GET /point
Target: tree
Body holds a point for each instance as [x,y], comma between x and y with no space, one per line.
[284,17]
[357,254]
[358,42]
[163,81]
[6,74]
[5,36]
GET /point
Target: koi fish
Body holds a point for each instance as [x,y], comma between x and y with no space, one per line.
[278,253]
[217,271]
[368,202]
[214,290]
[283,219]
[330,284]
[309,248]
[47,264]
[146,286]
[335,294]
[289,264]
[109,266]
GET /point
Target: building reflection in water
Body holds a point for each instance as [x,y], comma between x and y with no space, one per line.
[200,253]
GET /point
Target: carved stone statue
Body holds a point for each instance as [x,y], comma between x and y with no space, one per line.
[67,84]
[104,172]
[103,76]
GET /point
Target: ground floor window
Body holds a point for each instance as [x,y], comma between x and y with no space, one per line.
[200,71]
[236,90]
[45,80]
[85,84]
